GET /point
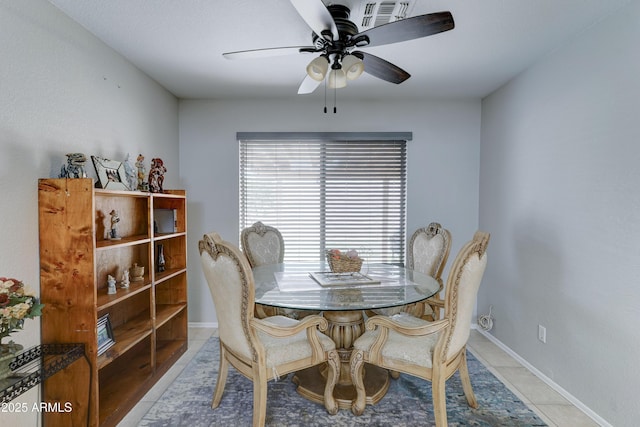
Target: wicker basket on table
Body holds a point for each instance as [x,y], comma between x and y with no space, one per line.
[341,263]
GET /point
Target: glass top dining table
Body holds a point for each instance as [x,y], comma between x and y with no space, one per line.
[290,285]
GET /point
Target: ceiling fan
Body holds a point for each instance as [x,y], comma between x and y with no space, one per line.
[336,39]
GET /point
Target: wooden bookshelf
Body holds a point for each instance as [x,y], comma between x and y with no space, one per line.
[149,319]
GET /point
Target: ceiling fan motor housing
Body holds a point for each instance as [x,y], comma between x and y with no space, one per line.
[346,31]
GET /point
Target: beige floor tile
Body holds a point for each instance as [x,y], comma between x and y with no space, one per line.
[566,416]
[536,390]
[500,377]
[200,333]
[135,415]
[494,355]
[476,337]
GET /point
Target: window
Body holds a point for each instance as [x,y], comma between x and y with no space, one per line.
[324,191]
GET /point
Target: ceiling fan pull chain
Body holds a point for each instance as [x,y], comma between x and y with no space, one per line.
[335,108]
[325,98]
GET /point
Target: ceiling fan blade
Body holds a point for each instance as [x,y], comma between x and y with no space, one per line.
[316,15]
[308,86]
[409,29]
[382,69]
[268,52]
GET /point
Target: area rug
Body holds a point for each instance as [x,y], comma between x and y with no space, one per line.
[187,401]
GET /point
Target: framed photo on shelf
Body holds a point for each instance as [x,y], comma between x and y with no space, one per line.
[105,334]
[111,174]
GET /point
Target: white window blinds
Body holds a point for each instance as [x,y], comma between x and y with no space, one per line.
[324,194]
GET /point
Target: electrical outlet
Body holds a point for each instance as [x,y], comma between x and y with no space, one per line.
[542,333]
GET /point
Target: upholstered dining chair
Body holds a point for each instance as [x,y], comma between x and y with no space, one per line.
[260,349]
[433,351]
[428,252]
[263,244]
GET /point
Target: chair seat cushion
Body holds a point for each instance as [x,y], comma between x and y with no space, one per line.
[416,350]
[428,310]
[283,350]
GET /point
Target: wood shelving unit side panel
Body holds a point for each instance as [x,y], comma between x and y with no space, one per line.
[67,277]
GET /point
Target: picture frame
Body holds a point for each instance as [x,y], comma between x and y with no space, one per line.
[111,174]
[105,334]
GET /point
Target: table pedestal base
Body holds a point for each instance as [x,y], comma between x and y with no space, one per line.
[344,328]
[311,383]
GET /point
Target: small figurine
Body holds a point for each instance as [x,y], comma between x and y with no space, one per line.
[111,285]
[142,171]
[125,279]
[131,174]
[74,167]
[156,175]
[138,272]
[115,219]
[160,265]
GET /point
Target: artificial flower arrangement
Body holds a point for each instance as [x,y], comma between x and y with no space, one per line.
[16,304]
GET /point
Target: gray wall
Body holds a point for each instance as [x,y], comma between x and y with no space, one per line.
[443,161]
[559,193]
[557,168]
[64,91]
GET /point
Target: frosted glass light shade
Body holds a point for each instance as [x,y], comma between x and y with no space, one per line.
[352,66]
[317,68]
[337,79]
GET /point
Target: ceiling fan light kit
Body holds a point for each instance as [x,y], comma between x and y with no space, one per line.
[337,78]
[337,40]
[317,68]
[352,66]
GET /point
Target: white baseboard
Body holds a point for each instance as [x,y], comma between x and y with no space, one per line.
[203,324]
[574,401]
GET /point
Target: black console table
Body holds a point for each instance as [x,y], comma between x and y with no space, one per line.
[34,365]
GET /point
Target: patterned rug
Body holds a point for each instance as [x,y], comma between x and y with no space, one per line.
[187,401]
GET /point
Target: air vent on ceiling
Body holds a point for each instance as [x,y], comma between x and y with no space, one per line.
[379,13]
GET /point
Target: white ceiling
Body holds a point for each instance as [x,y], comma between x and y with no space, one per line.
[179,43]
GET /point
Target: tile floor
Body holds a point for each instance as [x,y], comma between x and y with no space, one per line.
[549,405]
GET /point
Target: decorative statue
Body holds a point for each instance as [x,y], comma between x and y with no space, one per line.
[138,273]
[142,171]
[115,219]
[111,285]
[74,167]
[156,175]
[125,279]
[130,172]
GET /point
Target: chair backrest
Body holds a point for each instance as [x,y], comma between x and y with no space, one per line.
[461,292]
[429,249]
[262,244]
[230,280]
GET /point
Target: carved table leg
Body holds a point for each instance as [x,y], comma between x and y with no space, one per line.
[344,328]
